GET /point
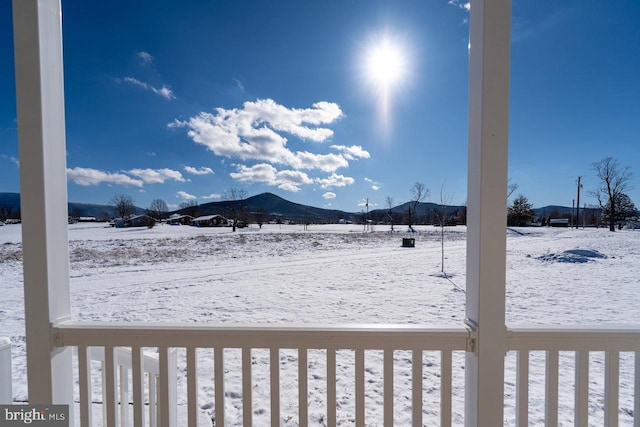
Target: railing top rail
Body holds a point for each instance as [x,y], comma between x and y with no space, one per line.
[368,336]
[565,338]
[312,336]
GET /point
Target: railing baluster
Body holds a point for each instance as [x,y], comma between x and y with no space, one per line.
[164,402]
[110,398]
[274,362]
[84,380]
[124,395]
[582,389]
[445,387]
[172,382]
[611,387]
[416,388]
[137,376]
[247,401]
[551,395]
[303,388]
[522,390]
[218,372]
[636,391]
[359,374]
[388,387]
[153,400]
[192,386]
[331,388]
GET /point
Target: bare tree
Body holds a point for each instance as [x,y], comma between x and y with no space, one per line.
[235,196]
[614,181]
[419,192]
[189,207]
[158,208]
[123,205]
[511,188]
[261,216]
[389,204]
[444,217]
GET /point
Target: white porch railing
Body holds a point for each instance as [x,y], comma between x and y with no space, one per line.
[582,342]
[167,337]
[117,366]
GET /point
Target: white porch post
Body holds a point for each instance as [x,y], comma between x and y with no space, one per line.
[43,195]
[487,209]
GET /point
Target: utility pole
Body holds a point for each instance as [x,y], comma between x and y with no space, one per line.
[366,216]
[578,205]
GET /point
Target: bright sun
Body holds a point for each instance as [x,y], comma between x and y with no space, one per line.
[386,64]
[385,67]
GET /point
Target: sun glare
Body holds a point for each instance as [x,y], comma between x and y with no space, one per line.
[386,69]
[386,65]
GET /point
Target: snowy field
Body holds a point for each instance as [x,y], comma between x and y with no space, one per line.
[339,274]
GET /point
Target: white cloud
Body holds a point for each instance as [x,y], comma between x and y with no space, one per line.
[212,196]
[87,177]
[145,57]
[239,85]
[374,184]
[164,91]
[462,5]
[185,196]
[12,159]
[329,195]
[352,152]
[254,132]
[365,202]
[198,171]
[335,180]
[156,176]
[288,180]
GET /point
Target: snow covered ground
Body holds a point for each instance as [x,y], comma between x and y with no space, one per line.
[338,274]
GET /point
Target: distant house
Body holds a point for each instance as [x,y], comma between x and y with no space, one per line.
[134,221]
[210,221]
[176,219]
[559,222]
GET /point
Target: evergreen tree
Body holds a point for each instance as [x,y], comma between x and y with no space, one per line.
[520,212]
[624,208]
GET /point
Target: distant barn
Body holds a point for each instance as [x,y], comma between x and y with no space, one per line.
[559,222]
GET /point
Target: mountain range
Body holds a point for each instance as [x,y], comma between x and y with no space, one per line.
[271,205]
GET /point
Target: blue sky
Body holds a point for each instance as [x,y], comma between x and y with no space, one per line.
[328,103]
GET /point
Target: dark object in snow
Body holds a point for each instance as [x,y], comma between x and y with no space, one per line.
[574,256]
[408,242]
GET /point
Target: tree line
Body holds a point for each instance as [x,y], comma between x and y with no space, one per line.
[614,204]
